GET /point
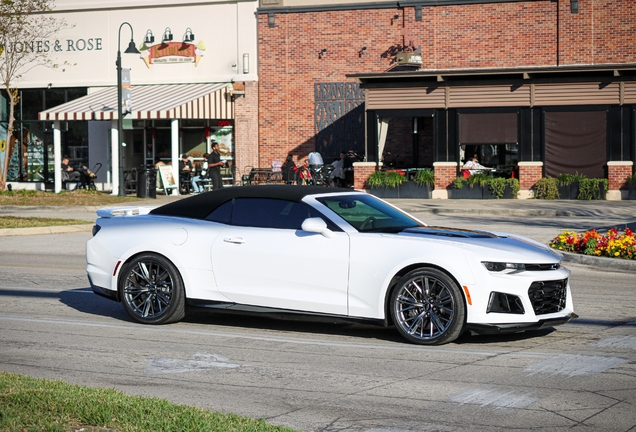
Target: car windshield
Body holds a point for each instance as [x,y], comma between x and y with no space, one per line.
[368,214]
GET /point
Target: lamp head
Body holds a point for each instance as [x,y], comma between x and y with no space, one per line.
[167,35]
[132,49]
[149,37]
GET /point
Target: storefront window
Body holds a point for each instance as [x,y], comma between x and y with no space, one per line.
[31,103]
[33,157]
[54,97]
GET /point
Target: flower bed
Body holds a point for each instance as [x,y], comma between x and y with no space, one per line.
[613,244]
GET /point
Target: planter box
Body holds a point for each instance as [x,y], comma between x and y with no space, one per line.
[467,192]
[570,191]
[407,189]
[632,191]
[411,189]
[488,194]
[385,192]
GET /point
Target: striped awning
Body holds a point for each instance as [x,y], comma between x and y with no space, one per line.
[169,101]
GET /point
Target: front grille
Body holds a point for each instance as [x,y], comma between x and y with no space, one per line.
[542,267]
[548,296]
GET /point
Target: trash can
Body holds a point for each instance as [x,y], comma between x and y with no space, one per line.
[147,182]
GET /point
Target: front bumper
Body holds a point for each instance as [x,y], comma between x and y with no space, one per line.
[518,327]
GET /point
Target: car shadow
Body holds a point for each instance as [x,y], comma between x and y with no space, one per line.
[468,338]
[85,301]
[291,322]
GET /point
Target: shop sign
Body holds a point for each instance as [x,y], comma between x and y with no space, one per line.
[409,58]
[172,53]
[238,89]
[45,46]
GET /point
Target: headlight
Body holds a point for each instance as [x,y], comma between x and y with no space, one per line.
[500,267]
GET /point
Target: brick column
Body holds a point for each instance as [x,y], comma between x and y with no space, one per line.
[361,173]
[529,174]
[246,129]
[445,173]
[617,174]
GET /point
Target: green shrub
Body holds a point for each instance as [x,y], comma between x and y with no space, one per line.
[497,186]
[425,177]
[478,179]
[546,188]
[393,179]
[632,178]
[376,179]
[515,186]
[590,189]
[458,182]
[566,179]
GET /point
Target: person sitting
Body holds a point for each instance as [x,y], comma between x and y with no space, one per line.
[202,177]
[185,172]
[288,169]
[473,166]
[69,173]
[338,174]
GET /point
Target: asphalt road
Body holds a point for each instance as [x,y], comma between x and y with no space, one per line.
[328,376]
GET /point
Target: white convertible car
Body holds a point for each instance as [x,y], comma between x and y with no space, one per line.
[326,252]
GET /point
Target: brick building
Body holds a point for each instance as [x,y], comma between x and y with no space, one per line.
[535,87]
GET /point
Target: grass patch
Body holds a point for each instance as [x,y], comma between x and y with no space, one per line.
[31,222]
[64,198]
[46,405]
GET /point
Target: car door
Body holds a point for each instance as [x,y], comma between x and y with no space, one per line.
[263,258]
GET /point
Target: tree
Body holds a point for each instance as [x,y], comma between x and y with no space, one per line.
[25,29]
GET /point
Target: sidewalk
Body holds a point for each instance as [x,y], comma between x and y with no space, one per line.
[603,214]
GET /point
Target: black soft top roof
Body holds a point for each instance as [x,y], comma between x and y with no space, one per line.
[200,206]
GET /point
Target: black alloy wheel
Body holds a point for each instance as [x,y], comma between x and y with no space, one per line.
[427,307]
[151,290]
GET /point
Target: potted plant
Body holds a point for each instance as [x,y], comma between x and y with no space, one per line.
[568,185]
[592,189]
[376,184]
[385,184]
[546,188]
[462,189]
[631,182]
[499,187]
[421,187]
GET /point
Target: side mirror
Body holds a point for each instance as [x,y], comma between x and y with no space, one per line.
[317,225]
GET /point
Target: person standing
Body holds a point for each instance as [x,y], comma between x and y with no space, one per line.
[214,166]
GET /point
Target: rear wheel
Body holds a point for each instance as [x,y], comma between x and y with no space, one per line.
[427,307]
[151,290]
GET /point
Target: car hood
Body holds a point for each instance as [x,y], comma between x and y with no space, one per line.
[489,245]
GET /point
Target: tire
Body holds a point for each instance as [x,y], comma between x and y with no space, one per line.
[151,290]
[427,307]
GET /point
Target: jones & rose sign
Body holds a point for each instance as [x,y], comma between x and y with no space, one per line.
[44,46]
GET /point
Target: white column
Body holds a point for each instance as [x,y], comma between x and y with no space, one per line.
[114,153]
[174,139]
[57,156]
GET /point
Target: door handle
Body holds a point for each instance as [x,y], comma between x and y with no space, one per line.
[235,240]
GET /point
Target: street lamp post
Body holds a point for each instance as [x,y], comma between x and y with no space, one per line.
[132,49]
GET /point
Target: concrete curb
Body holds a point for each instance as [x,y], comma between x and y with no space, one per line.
[499,212]
[12,208]
[60,229]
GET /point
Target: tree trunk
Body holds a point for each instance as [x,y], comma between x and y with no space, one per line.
[11,142]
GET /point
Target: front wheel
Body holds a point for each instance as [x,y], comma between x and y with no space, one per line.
[151,290]
[427,307]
